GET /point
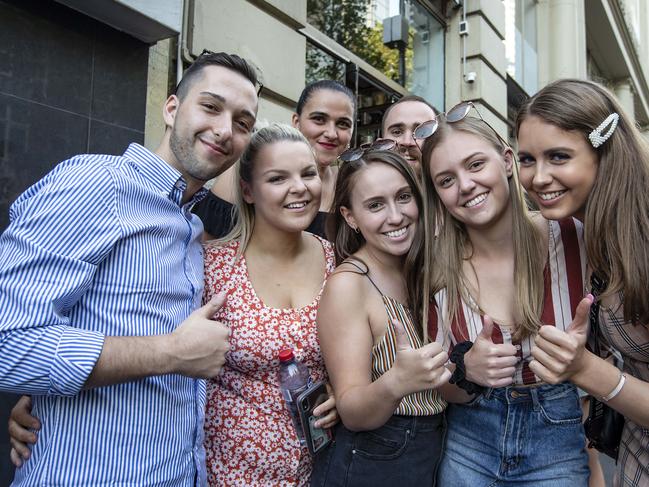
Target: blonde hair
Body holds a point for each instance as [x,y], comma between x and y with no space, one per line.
[616,225]
[243,213]
[446,253]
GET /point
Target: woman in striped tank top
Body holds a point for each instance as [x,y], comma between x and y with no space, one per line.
[497,273]
[371,333]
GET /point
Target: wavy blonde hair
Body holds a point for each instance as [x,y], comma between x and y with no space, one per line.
[446,253]
[616,225]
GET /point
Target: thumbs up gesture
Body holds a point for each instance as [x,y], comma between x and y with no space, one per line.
[490,364]
[417,369]
[198,345]
[558,355]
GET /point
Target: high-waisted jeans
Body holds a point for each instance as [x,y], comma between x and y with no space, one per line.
[403,452]
[516,436]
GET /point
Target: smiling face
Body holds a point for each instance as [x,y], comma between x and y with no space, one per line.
[210,126]
[558,168]
[327,121]
[384,209]
[399,125]
[285,187]
[471,178]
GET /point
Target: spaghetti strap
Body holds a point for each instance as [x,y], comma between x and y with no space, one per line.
[365,272]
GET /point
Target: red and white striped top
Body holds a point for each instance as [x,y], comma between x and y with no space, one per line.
[564,288]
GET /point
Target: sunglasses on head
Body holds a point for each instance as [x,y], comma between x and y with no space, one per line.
[356,153]
[455,114]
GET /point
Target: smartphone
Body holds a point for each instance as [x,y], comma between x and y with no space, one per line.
[316,438]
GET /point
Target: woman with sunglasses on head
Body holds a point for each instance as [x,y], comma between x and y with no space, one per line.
[370,325]
[498,273]
[581,156]
[325,115]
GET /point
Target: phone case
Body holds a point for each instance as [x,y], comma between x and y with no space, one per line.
[316,438]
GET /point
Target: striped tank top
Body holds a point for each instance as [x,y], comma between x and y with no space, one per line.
[423,403]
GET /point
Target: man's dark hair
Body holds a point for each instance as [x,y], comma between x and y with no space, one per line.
[323,84]
[403,100]
[208,58]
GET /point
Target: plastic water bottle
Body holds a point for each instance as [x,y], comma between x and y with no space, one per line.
[294,379]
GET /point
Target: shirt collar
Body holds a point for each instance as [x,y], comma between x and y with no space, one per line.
[200,194]
[162,177]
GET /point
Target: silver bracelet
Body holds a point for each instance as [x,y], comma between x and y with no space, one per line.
[617,389]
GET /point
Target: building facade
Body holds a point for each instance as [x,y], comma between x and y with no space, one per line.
[493,52]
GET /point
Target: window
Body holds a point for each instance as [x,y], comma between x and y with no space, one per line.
[521,43]
[358,25]
[322,65]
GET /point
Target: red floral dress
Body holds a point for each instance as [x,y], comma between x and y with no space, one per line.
[249,437]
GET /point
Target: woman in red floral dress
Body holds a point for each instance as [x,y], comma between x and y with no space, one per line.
[273,272]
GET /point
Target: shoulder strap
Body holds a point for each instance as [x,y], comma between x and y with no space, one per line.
[597,286]
[364,271]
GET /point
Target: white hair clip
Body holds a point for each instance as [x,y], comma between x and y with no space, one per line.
[596,137]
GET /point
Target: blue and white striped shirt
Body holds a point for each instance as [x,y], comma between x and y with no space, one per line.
[101,246]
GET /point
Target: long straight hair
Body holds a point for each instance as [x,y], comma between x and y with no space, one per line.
[347,242]
[243,212]
[446,253]
[616,225]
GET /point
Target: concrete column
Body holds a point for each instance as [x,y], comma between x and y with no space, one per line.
[157,88]
[623,90]
[485,57]
[562,40]
[263,32]
[644,37]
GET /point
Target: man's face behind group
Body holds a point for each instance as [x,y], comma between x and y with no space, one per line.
[212,123]
[399,125]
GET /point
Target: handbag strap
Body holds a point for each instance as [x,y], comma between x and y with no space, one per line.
[597,285]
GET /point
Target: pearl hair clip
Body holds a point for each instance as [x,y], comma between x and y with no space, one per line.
[596,137]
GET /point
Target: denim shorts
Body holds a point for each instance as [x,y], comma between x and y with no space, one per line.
[516,436]
[405,451]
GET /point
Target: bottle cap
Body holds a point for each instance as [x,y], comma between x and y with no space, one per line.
[286,355]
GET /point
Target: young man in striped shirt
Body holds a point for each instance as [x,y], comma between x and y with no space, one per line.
[101,275]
